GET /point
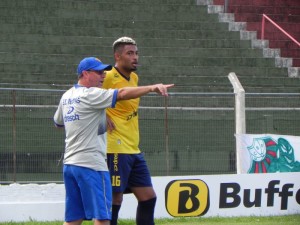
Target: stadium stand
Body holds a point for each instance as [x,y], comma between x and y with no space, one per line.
[191,43]
[286,13]
[42,41]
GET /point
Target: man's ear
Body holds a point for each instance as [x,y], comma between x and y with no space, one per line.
[84,73]
[117,56]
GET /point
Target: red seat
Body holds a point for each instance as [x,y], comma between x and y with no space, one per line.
[286,13]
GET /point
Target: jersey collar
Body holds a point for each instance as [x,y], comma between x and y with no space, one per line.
[126,78]
[77,85]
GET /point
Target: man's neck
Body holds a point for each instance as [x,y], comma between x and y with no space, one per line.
[82,83]
[123,73]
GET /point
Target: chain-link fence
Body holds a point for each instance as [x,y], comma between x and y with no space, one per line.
[183,134]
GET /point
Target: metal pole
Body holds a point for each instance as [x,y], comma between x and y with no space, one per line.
[282,30]
[263,27]
[226,6]
[14,144]
[240,117]
[167,136]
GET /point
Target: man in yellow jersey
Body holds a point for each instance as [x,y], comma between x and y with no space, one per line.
[128,168]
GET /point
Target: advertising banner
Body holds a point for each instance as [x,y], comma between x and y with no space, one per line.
[223,195]
[263,194]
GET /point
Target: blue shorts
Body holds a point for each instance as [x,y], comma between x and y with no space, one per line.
[128,170]
[88,194]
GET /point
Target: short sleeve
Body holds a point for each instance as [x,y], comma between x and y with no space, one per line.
[98,98]
[58,116]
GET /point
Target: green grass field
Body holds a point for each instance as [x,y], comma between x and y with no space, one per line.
[272,220]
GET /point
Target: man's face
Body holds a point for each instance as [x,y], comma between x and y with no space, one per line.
[127,59]
[95,78]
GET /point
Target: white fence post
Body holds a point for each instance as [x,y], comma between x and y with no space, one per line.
[240,116]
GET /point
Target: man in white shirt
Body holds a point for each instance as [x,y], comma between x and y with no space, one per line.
[81,112]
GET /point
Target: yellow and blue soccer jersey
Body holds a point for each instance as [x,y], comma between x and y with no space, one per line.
[125,138]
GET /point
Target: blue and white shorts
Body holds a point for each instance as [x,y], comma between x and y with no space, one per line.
[88,194]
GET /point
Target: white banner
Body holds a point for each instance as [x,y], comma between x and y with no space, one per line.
[268,153]
[177,196]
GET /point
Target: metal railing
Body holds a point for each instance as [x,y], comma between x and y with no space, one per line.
[226,3]
[264,17]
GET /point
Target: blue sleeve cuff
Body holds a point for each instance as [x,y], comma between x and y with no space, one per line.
[114,100]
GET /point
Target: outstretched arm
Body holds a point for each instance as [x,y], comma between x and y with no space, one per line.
[135,92]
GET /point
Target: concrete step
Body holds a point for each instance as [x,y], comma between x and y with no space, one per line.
[270,82]
[29,85]
[205,81]
[296,62]
[221,81]
[54,49]
[26,72]
[64,86]
[177,88]
[283,44]
[291,28]
[111,24]
[259,2]
[156,12]
[278,36]
[295,10]
[11,47]
[201,41]
[213,61]
[254,17]
[178,70]
[22,41]
[201,82]
[144,60]
[117,32]
[293,53]
[155,15]
[92,4]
